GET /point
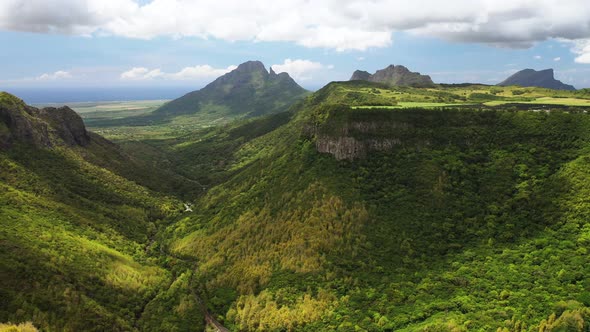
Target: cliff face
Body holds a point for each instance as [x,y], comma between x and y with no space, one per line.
[66,124]
[532,78]
[394,75]
[350,134]
[350,148]
[347,136]
[47,127]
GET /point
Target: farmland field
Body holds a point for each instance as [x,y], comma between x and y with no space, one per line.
[545,101]
[112,119]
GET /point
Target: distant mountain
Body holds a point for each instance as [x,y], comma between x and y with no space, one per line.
[532,78]
[360,75]
[248,90]
[393,75]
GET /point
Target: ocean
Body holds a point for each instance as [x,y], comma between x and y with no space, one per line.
[66,95]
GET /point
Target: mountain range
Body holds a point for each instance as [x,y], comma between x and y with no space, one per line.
[394,76]
[368,205]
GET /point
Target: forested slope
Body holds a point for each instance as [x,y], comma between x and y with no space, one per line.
[377,219]
[78,242]
[342,214]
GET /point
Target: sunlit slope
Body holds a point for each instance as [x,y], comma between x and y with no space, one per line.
[78,244]
[424,220]
[362,94]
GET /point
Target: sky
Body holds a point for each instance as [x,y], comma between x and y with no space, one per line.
[186,44]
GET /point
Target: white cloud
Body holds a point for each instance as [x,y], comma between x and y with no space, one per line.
[557,59]
[538,57]
[81,17]
[334,24]
[199,72]
[58,75]
[301,70]
[188,73]
[141,73]
[582,49]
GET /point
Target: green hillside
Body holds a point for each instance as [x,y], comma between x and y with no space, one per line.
[248,90]
[78,242]
[407,219]
[363,207]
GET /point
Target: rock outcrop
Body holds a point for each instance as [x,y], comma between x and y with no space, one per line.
[66,124]
[360,75]
[350,148]
[46,127]
[532,78]
[394,76]
[355,139]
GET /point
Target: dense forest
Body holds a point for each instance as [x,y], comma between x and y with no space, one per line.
[442,219]
[346,212]
[78,241]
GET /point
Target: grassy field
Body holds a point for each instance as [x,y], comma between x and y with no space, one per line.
[538,101]
[118,106]
[375,96]
[95,114]
[413,104]
[111,109]
[544,101]
[179,126]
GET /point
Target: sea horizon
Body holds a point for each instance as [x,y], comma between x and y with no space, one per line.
[65,95]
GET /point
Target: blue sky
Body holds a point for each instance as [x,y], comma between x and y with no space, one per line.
[125,43]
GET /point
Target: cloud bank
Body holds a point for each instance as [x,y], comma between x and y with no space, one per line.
[199,72]
[582,49]
[58,75]
[333,24]
[301,70]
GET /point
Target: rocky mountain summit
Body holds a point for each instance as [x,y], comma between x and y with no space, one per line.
[249,89]
[45,127]
[360,75]
[532,78]
[395,76]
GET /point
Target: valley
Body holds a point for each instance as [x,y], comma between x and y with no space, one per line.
[294,166]
[363,206]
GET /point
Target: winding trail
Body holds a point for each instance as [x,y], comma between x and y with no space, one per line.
[208,317]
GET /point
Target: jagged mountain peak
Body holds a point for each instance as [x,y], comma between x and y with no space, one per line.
[360,75]
[251,66]
[536,78]
[394,75]
[249,90]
